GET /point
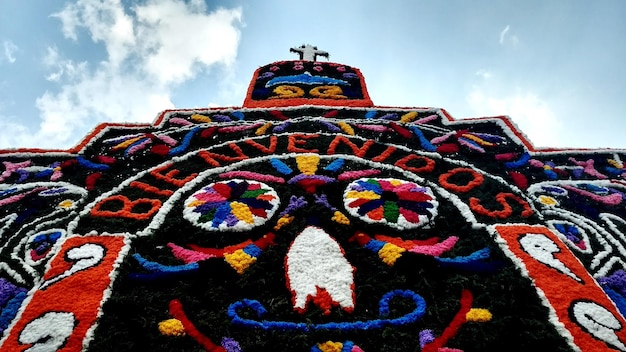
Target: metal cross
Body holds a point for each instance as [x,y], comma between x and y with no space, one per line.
[308,52]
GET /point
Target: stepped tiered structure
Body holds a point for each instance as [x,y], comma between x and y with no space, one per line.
[310,219]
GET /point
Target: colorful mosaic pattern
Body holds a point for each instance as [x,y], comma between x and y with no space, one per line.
[235,205]
[397,203]
[318,227]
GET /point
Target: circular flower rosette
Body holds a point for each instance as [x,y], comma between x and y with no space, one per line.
[396,203]
[234,205]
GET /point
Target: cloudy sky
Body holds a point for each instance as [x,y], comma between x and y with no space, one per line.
[558,68]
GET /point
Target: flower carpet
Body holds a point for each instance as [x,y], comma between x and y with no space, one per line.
[312,220]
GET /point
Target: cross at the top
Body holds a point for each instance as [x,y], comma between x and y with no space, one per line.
[308,52]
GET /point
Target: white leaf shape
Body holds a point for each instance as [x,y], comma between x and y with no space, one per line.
[318,271]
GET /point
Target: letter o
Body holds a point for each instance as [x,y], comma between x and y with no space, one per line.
[477,180]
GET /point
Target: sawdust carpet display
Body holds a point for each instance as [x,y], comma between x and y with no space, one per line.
[311,219]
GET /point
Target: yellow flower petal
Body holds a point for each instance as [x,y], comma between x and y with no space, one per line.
[242,212]
[195,203]
[362,194]
[66,204]
[200,118]
[615,163]
[478,315]
[284,220]
[346,128]
[261,130]
[340,218]
[126,143]
[239,260]
[307,164]
[390,253]
[330,346]
[172,327]
[478,140]
[547,200]
[395,183]
[408,117]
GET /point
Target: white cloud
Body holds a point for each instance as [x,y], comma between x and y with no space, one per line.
[69,17]
[484,74]
[105,20]
[13,134]
[62,68]
[532,114]
[150,50]
[503,33]
[9,51]
[52,56]
[506,38]
[100,96]
[204,39]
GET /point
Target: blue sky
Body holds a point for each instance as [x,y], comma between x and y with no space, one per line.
[556,67]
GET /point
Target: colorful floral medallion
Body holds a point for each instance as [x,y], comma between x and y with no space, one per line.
[397,203]
[235,205]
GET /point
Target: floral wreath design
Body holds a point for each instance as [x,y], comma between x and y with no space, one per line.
[234,205]
[396,203]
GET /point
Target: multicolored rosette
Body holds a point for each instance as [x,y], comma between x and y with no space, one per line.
[234,205]
[396,203]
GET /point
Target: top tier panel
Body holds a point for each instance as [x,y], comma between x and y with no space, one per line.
[293,83]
